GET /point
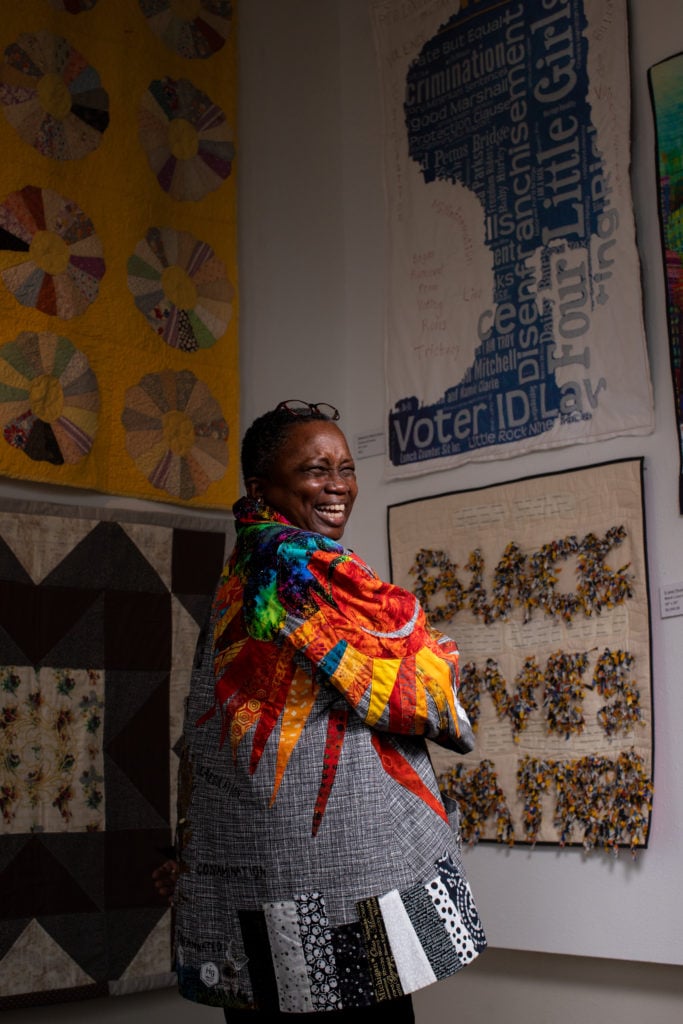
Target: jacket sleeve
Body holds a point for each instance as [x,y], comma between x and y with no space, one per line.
[373,643]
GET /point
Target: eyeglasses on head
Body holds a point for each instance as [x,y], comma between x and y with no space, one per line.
[305,409]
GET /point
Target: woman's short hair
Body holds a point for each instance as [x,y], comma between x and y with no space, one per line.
[266,435]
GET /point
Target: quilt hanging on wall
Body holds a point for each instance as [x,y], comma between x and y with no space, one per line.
[513,308]
[118,348]
[666,86]
[543,584]
[99,618]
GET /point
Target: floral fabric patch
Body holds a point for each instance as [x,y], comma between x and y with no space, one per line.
[51,759]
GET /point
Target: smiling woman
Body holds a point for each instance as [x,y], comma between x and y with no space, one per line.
[318,870]
[313,482]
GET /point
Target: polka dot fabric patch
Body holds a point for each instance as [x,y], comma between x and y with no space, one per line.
[452,897]
[353,972]
[316,939]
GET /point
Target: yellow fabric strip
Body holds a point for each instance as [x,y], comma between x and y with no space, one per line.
[384,674]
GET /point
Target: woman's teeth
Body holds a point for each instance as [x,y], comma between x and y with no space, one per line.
[331,511]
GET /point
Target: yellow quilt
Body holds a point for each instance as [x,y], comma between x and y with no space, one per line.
[118,319]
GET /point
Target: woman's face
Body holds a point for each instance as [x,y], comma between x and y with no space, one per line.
[313,481]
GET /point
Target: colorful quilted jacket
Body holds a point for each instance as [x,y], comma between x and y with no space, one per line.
[319,869]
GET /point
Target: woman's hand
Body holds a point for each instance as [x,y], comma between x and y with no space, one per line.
[165,878]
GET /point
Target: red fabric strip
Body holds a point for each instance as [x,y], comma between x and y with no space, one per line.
[395,765]
[336,728]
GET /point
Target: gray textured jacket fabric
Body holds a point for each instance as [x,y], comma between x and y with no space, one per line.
[318,867]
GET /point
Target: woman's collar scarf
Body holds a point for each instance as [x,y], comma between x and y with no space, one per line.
[275,575]
[250,511]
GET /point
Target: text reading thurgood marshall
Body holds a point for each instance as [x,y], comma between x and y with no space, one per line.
[498,102]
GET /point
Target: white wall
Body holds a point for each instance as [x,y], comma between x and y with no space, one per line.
[550,900]
[312,258]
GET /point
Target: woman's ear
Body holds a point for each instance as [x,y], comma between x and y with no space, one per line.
[254,487]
